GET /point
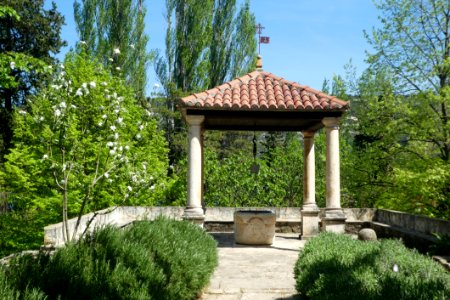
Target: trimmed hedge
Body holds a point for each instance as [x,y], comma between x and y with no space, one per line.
[333,266]
[163,259]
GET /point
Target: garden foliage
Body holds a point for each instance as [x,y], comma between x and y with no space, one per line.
[163,259]
[83,144]
[335,266]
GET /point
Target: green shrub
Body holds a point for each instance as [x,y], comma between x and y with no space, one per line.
[335,266]
[186,254]
[164,259]
[8,292]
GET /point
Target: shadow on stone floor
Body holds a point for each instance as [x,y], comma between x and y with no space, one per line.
[226,240]
[295,297]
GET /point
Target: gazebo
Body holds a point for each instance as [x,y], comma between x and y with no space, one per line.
[263,101]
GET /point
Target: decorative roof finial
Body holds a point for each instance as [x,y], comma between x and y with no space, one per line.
[259,64]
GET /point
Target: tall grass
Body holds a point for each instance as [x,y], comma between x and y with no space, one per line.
[335,266]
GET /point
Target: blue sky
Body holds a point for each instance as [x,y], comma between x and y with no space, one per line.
[309,39]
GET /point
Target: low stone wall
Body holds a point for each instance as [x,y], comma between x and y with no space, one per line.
[416,231]
[416,223]
[216,219]
[117,216]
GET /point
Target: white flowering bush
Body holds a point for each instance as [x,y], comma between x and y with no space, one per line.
[84,144]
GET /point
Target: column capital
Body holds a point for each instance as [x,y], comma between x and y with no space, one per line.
[308,134]
[195,119]
[331,122]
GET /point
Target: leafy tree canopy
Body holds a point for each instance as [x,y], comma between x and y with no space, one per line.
[83,144]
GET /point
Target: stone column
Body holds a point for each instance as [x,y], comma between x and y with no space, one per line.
[334,219]
[310,211]
[194,211]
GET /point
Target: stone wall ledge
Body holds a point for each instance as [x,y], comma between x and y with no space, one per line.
[410,228]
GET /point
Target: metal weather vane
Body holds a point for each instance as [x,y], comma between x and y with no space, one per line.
[261,39]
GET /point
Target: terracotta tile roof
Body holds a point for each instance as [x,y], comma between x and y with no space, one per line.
[260,90]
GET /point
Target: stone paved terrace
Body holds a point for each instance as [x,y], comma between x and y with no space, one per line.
[254,272]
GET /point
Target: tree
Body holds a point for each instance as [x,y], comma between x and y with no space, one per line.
[83,144]
[206,43]
[29,35]
[243,56]
[113,32]
[188,39]
[414,43]
[413,46]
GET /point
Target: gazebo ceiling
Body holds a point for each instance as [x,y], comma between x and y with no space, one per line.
[262,101]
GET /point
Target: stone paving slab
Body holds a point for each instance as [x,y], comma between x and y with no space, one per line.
[254,272]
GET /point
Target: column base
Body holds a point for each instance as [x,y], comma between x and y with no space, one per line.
[310,223]
[334,220]
[194,215]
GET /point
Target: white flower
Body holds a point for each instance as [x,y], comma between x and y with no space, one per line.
[112,151]
[63,181]
[93,84]
[12,65]
[73,106]
[50,67]
[138,136]
[82,42]
[109,144]
[116,136]
[132,46]
[84,85]
[119,120]
[120,99]
[79,93]
[121,148]
[62,66]
[129,188]
[109,180]
[395,268]
[112,127]
[57,112]
[22,112]
[104,83]
[141,127]
[152,187]
[116,51]
[134,178]
[41,118]
[100,124]
[144,166]
[116,111]
[63,167]
[63,104]
[106,175]
[127,147]
[45,156]
[110,59]
[104,116]
[118,68]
